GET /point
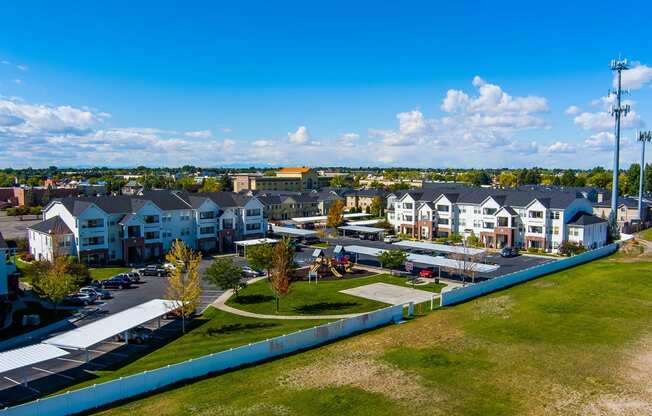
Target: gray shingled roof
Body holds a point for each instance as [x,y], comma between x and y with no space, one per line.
[582,218]
[54,225]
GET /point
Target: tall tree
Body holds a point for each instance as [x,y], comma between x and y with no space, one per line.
[335,216]
[225,274]
[210,185]
[568,178]
[376,207]
[392,259]
[280,277]
[338,182]
[260,256]
[51,280]
[184,283]
[507,179]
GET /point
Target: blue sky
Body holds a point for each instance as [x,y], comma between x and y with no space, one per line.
[424,84]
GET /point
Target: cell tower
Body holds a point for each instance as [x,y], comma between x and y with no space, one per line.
[642,136]
[617,110]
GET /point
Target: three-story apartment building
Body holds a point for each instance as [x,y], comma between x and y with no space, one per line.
[498,217]
[134,228]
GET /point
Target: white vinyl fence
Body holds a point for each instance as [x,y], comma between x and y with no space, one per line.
[92,397]
[488,286]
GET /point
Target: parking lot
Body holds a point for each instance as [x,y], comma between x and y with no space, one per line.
[56,374]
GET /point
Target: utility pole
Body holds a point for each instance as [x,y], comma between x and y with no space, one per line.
[617,111]
[643,136]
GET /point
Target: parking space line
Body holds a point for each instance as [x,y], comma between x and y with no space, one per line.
[110,352]
[21,384]
[52,372]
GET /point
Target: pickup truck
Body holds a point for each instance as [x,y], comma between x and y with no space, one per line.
[154,270]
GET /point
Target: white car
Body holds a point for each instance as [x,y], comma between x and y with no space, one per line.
[391,239]
[249,272]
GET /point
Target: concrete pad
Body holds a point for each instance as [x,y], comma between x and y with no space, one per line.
[391,294]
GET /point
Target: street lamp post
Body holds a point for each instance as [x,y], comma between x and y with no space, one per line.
[643,136]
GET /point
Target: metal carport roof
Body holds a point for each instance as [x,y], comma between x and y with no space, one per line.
[296,232]
[470,251]
[26,356]
[362,229]
[88,335]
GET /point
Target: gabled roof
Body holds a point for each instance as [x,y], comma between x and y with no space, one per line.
[583,218]
[507,209]
[54,225]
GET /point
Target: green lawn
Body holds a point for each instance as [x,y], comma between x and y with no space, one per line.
[647,234]
[571,343]
[211,332]
[316,299]
[320,245]
[106,272]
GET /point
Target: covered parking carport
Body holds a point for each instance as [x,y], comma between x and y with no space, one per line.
[84,337]
[248,243]
[294,233]
[21,358]
[442,248]
[374,232]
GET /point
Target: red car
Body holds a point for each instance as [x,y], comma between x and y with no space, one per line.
[427,273]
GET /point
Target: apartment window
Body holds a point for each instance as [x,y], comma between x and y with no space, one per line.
[254,212]
[425,216]
[112,222]
[253,226]
[535,229]
[573,231]
[185,216]
[442,221]
[185,231]
[535,214]
[477,224]
[113,256]
[93,241]
[443,208]
[407,218]
[152,235]
[112,238]
[94,223]
[207,230]
[227,224]
[167,217]
[555,230]
[206,215]
[462,222]
[503,222]
[489,211]
[489,225]
[554,215]
[151,219]
[477,210]
[407,205]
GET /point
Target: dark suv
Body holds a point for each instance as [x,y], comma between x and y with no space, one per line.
[154,270]
[508,252]
[116,282]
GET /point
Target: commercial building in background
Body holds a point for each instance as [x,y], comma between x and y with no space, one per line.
[499,218]
[131,229]
[285,179]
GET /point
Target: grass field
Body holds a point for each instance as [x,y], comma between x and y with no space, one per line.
[106,272]
[317,299]
[578,342]
[212,332]
[647,234]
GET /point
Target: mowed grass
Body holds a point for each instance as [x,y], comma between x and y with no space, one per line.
[647,234]
[213,331]
[322,298]
[564,344]
[104,273]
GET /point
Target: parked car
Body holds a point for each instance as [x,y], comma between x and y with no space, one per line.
[249,272]
[175,314]
[427,273]
[116,282]
[133,276]
[391,239]
[79,299]
[508,252]
[99,293]
[137,335]
[154,270]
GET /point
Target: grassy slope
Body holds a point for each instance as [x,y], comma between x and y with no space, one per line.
[548,347]
[321,298]
[647,234]
[212,332]
[106,272]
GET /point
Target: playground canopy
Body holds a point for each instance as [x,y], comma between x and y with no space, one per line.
[443,248]
[427,260]
[293,232]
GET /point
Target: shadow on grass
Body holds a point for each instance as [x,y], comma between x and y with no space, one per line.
[315,308]
[231,328]
[252,299]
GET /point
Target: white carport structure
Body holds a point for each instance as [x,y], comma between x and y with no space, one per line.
[20,358]
[293,232]
[322,218]
[363,222]
[361,229]
[248,243]
[86,336]
[442,248]
[428,260]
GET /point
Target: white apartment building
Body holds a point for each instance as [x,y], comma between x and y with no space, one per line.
[132,229]
[498,217]
[7,268]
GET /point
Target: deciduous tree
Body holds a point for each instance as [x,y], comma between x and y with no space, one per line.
[225,274]
[392,259]
[184,282]
[335,214]
[261,256]
[280,277]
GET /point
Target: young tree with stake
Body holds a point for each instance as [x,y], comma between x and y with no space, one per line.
[280,277]
[184,283]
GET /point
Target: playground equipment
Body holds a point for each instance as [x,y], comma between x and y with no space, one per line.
[322,265]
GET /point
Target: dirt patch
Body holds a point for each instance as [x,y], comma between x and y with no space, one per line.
[499,306]
[256,409]
[545,284]
[361,370]
[634,251]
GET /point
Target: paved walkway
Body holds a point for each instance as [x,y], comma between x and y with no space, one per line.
[220,303]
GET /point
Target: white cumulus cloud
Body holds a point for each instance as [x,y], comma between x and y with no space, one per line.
[636,77]
[300,136]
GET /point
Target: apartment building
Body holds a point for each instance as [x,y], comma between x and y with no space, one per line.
[627,215]
[499,218]
[363,198]
[8,283]
[281,206]
[285,179]
[135,228]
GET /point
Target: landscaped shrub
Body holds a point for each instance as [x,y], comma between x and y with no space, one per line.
[568,248]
